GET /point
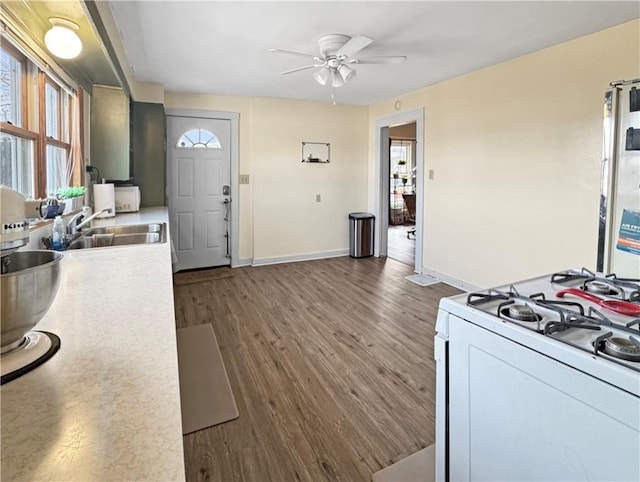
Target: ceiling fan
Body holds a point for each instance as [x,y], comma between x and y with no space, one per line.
[336,55]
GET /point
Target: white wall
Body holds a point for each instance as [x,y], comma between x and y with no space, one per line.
[279,217]
[516,150]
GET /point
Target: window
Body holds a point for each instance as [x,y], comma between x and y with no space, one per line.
[52,104]
[199,138]
[56,168]
[56,140]
[16,163]
[17,142]
[38,120]
[401,158]
[12,80]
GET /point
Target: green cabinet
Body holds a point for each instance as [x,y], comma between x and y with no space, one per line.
[109,133]
[127,142]
[148,154]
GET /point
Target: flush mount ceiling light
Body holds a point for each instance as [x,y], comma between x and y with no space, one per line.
[62,40]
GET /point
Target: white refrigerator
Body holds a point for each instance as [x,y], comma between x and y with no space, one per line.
[619,228]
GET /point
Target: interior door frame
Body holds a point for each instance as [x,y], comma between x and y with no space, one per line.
[234,117]
[381,191]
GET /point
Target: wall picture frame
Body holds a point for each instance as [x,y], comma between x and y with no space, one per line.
[316,152]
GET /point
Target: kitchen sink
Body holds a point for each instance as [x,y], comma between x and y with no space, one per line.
[108,236]
[128,229]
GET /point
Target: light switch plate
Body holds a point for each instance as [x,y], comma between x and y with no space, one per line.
[244,179]
[431,174]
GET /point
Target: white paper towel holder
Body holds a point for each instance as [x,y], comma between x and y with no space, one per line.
[103,199]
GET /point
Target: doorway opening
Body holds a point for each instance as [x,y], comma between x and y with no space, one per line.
[385,197]
[401,233]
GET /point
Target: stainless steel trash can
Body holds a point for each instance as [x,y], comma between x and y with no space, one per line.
[361,230]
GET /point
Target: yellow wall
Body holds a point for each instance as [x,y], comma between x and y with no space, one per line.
[287,218]
[279,215]
[516,151]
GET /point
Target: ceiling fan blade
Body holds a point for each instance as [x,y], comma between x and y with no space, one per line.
[390,59]
[300,68]
[298,54]
[353,45]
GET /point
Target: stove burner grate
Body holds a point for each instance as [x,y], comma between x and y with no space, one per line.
[555,318]
[521,313]
[602,288]
[622,348]
[627,289]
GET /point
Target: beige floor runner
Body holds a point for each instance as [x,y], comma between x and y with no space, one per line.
[201,276]
[205,393]
[418,467]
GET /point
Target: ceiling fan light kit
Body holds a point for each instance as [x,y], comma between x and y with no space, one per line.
[336,51]
[336,79]
[347,73]
[321,76]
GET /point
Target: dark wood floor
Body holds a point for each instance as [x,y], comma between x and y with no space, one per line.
[331,364]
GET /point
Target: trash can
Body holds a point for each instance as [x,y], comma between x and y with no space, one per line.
[361,229]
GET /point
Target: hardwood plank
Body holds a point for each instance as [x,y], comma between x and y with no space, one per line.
[330,362]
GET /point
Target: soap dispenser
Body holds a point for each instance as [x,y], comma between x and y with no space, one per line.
[58,234]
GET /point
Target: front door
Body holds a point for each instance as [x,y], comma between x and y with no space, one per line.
[198,190]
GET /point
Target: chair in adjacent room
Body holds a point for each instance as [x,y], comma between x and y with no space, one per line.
[410,203]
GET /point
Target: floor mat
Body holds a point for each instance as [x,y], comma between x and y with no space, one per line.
[205,393]
[422,279]
[418,467]
[201,276]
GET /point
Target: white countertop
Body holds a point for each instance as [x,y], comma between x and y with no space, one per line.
[107,405]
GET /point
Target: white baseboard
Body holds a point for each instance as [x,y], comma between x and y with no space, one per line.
[450,280]
[243,262]
[299,257]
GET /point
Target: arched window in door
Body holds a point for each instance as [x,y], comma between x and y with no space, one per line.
[199,139]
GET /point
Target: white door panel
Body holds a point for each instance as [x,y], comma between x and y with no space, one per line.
[196,175]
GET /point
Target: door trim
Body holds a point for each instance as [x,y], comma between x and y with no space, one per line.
[382,176]
[234,118]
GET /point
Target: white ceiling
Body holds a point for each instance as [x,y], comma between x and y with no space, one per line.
[220,47]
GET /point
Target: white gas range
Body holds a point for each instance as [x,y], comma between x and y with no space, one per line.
[534,382]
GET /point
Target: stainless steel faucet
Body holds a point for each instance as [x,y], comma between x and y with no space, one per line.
[75,219]
[77,222]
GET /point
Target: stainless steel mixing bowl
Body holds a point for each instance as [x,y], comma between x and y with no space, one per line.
[30,282]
